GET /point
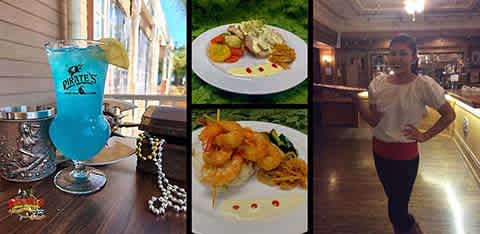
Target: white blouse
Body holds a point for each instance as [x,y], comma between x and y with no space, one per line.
[402,104]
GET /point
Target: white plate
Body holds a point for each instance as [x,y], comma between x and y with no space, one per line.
[103,157]
[214,74]
[208,220]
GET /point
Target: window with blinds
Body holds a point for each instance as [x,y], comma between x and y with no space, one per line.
[141,86]
[111,21]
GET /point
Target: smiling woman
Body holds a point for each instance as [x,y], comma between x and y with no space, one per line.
[396,105]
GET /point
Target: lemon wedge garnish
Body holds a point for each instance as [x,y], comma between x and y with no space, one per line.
[115,52]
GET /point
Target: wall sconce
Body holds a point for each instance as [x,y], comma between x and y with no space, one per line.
[327,59]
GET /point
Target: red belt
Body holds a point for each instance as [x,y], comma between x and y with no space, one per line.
[395,150]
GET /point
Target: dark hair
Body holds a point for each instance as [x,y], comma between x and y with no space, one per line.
[411,43]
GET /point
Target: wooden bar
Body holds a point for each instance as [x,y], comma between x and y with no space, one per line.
[470,98]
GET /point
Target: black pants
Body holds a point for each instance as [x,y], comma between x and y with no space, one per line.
[397,177]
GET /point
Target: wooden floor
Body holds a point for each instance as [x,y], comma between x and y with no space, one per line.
[349,197]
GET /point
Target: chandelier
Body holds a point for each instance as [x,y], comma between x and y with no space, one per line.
[414,6]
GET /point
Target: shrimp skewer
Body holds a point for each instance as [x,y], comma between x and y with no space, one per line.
[221,176]
[273,159]
[254,148]
[230,140]
[217,157]
[230,153]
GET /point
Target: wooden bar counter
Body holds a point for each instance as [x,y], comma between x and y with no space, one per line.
[335,109]
[470,98]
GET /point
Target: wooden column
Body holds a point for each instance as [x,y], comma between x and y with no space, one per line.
[77,19]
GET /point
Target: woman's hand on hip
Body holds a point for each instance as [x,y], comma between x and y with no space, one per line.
[412,133]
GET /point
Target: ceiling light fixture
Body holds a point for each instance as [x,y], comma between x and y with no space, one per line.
[414,6]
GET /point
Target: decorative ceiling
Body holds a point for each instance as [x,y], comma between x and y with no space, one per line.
[386,15]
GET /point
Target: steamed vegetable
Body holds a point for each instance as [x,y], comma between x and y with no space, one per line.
[219,52]
[233,41]
[282,142]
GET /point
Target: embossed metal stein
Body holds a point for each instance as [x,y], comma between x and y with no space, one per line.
[26,153]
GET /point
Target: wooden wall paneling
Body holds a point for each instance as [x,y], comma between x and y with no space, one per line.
[24,85]
[20,35]
[37,9]
[431,33]
[21,52]
[25,26]
[24,19]
[31,97]
[324,34]
[12,68]
[53,4]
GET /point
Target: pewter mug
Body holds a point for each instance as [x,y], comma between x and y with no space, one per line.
[26,152]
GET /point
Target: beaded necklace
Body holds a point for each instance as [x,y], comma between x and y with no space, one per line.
[172,195]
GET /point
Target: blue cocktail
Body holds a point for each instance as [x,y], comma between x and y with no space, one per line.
[79,130]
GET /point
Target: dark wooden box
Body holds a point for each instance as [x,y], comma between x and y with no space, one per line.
[170,124]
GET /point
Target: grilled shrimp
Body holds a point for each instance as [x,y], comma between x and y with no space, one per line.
[254,148]
[220,176]
[230,140]
[273,158]
[210,132]
[229,126]
[217,157]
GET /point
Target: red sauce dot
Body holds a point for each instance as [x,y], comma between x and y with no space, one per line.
[249,70]
[254,206]
[274,65]
[260,69]
[275,203]
[236,207]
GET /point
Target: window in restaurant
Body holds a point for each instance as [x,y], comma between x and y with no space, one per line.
[99,18]
[120,26]
[111,21]
[143,61]
[148,5]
